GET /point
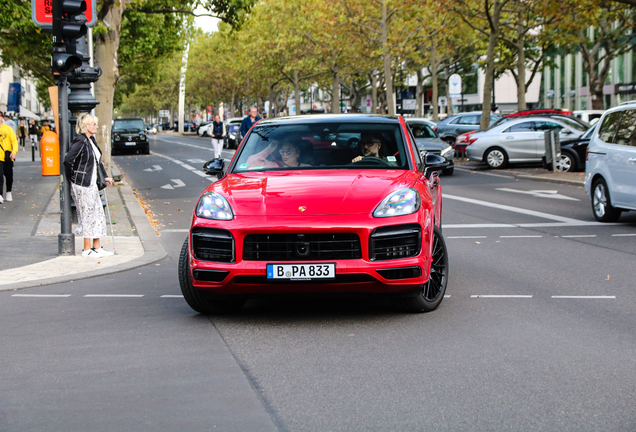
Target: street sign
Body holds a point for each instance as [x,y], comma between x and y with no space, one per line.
[42,13]
[409,104]
[454,85]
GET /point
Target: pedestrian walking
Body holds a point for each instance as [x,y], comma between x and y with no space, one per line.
[218,135]
[11,123]
[45,127]
[81,163]
[22,134]
[249,121]
[33,133]
[8,152]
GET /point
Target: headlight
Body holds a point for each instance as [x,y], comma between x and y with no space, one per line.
[214,206]
[142,136]
[231,136]
[446,151]
[399,203]
[116,137]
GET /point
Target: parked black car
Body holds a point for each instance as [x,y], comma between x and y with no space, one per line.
[187,127]
[233,132]
[573,152]
[129,134]
[428,141]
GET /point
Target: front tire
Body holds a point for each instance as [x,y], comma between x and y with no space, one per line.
[602,203]
[496,158]
[567,163]
[202,302]
[432,293]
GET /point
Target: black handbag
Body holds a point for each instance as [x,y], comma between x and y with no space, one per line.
[101,177]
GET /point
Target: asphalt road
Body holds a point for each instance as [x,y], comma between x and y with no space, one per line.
[537,331]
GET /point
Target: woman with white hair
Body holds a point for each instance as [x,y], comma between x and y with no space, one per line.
[82,162]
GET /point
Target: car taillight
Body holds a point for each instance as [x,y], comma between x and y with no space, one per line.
[435,128]
[464,139]
[471,140]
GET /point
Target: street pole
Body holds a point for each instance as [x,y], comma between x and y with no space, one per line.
[66,239]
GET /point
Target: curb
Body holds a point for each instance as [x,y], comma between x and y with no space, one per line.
[153,249]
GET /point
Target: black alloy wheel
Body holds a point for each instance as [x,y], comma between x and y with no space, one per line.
[202,302]
[432,293]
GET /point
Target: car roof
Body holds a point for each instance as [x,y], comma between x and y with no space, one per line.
[332,118]
[128,118]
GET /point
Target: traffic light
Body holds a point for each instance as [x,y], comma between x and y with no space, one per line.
[68,25]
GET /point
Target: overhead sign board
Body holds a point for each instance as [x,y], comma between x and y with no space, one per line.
[42,13]
[454,85]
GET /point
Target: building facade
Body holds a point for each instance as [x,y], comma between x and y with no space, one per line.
[30,107]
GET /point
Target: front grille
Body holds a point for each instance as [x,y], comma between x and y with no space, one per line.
[395,242]
[401,273]
[301,247]
[211,244]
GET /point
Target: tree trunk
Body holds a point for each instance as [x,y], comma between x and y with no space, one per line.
[596,80]
[435,95]
[490,65]
[419,94]
[388,77]
[374,91]
[272,102]
[335,93]
[297,92]
[106,47]
[521,65]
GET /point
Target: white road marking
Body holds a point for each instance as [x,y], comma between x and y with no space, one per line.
[41,295]
[171,296]
[500,296]
[522,236]
[114,295]
[178,184]
[539,193]
[196,161]
[542,215]
[583,297]
[578,236]
[192,169]
[623,235]
[154,168]
[186,166]
[466,237]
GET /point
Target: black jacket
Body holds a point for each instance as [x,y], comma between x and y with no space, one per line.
[217,130]
[80,160]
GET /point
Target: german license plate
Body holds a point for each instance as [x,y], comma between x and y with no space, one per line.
[301,271]
[130,143]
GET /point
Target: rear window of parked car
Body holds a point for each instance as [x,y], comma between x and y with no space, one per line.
[626,132]
[469,120]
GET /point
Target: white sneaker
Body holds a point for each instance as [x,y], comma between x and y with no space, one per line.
[91,253]
[9,197]
[1,199]
[103,252]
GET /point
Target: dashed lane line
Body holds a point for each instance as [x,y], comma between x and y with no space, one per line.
[115,295]
[578,236]
[41,295]
[583,297]
[500,296]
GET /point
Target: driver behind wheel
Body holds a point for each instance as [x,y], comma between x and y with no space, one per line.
[370,146]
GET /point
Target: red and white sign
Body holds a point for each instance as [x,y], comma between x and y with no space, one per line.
[42,13]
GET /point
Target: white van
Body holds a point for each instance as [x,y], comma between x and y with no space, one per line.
[610,171]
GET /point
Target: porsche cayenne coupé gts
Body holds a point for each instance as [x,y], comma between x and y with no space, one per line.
[319,204]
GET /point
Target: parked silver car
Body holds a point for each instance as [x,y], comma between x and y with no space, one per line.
[428,141]
[610,172]
[519,140]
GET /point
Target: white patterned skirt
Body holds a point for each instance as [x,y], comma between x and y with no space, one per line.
[91,222]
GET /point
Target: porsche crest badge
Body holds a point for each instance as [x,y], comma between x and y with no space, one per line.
[302,208]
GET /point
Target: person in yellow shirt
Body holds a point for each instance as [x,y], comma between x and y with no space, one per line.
[8,152]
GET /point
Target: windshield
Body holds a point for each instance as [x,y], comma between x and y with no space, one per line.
[128,124]
[323,146]
[234,127]
[579,125]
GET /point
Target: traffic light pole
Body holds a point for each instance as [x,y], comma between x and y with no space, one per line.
[66,239]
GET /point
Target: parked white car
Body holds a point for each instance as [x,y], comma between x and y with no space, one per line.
[610,171]
[519,140]
[588,116]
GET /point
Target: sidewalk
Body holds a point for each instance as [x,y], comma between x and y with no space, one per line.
[30,224]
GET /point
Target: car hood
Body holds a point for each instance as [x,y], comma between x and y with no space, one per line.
[320,192]
[430,144]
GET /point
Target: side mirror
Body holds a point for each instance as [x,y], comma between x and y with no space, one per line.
[214,167]
[433,163]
